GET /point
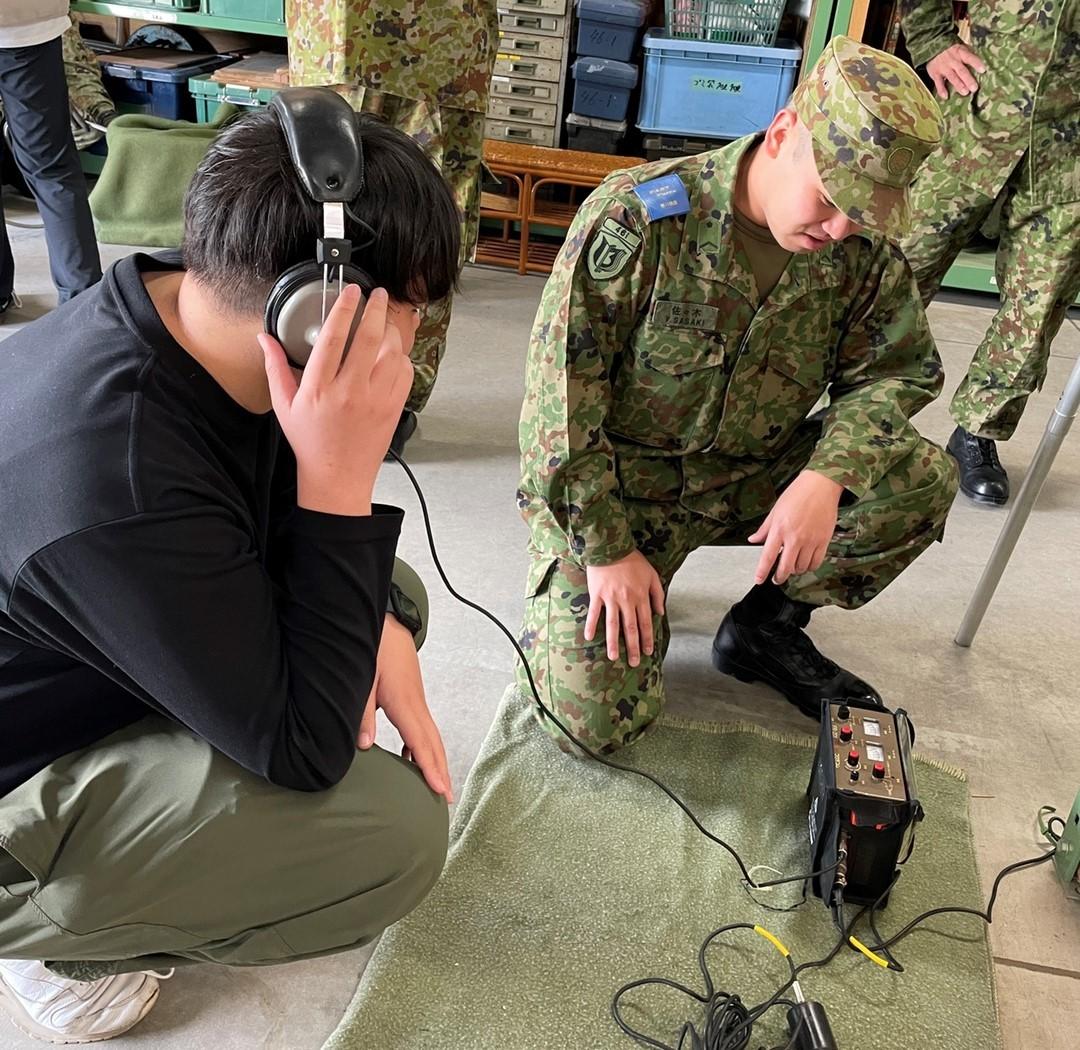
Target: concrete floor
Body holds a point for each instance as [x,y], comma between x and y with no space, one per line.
[1003,710]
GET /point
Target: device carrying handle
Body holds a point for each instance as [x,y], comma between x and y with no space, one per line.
[324,142]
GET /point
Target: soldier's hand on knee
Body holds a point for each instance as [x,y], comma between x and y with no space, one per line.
[627,593]
[951,68]
[798,528]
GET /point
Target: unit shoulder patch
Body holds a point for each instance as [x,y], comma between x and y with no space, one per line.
[610,250]
[663,197]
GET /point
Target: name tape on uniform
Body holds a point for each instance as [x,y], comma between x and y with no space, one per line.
[670,314]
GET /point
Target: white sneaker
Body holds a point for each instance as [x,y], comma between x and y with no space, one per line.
[57,1010]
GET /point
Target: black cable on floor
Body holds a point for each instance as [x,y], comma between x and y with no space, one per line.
[566,732]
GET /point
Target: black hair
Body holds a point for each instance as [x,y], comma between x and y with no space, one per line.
[247,216]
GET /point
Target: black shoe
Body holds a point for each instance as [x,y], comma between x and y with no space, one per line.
[982,477]
[405,429]
[780,653]
[11,302]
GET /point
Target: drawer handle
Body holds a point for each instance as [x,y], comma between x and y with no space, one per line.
[527,45]
[528,23]
[528,3]
[520,111]
[523,89]
[524,67]
[518,133]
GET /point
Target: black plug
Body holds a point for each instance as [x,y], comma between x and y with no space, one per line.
[808,1027]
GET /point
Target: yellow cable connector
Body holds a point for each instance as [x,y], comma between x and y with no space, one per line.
[872,956]
[773,940]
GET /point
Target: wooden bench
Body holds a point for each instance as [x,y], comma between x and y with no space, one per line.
[526,170]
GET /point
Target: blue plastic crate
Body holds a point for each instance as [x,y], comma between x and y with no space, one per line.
[609,28]
[137,88]
[697,87]
[602,87]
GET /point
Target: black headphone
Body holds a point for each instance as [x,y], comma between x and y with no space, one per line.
[324,144]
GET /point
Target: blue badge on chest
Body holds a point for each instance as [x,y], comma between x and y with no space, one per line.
[663,197]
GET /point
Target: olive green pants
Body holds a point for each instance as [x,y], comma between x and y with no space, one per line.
[152,849]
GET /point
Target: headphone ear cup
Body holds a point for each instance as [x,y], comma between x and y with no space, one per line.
[294,307]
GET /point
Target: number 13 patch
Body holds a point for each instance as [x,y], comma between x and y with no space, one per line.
[610,250]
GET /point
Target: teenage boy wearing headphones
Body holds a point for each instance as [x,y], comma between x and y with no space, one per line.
[194,595]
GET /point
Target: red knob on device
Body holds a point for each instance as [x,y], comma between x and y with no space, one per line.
[853,757]
[845,733]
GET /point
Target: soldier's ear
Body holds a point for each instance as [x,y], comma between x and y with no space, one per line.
[783,131]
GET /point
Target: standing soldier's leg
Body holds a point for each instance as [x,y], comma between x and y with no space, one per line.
[605,703]
[458,150]
[454,140]
[945,212]
[1038,273]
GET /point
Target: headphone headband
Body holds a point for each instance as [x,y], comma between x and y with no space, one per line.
[324,142]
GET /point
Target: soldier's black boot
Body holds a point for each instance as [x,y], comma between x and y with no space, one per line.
[402,432]
[982,477]
[762,640]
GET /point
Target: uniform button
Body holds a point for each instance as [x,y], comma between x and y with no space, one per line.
[853,757]
[854,774]
[879,770]
[845,733]
[842,711]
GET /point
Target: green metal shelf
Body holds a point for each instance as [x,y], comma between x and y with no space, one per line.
[180,18]
[972,272]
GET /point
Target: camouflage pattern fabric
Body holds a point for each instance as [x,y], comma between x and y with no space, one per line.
[866,157]
[436,51]
[1016,138]
[1037,270]
[607,704]
[665,409]
[86,92]
[1027,107]
[454,139]
[426,66]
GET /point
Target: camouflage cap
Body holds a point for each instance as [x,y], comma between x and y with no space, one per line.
[873,123]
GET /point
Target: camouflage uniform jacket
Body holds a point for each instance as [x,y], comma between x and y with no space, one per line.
[1028,99]
[664,382]
[436,51]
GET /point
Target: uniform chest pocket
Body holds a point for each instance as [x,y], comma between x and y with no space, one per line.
[789,386]
[668,388]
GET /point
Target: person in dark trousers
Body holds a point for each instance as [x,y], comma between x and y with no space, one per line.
[38,132]
[200,609]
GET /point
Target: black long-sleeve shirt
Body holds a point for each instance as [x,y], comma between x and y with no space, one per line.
[152,555]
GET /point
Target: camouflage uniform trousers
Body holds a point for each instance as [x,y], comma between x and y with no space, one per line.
[608,704]
[454,139]
[1038,276]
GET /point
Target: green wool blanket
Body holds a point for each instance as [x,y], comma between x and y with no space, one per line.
[566,880]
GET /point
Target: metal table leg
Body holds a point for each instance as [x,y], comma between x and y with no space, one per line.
[1056,429]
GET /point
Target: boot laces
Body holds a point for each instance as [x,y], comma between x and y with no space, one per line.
[798,644]
[984,451]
